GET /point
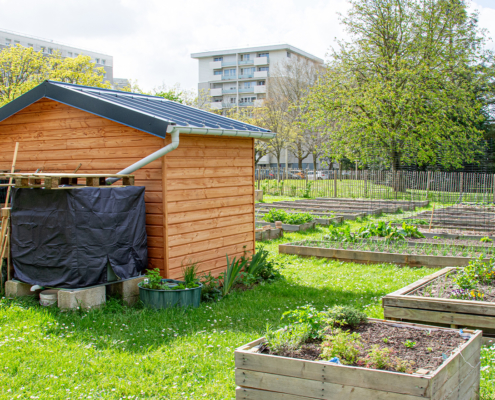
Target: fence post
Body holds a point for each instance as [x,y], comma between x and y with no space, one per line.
[365,183]
[428,184]
[460,186]
[335,185]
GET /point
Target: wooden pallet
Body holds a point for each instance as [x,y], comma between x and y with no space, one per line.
[54,181]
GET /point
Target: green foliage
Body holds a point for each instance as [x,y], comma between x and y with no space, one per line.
[345,316]
[486,239]
[275,215]
[307,190]
[476,272]
[211,287]
[341,344]
[409,344]
[289,338]
[171,94]
[307,315]
[382,229]
[21,69]
[378,358]
[231,274]
[411,84]
[190,274]
[153,279]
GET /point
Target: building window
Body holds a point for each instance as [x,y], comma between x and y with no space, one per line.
[247,71]
[31,45]
[97,60]
[229,72]
[103,62]
[50,51]
[16,42]
[218,59]
[43,49]
[245,57]
[261,83]
[76,54]
[263,54]
[232,100]
[247,85]
[8,42]
[217,72]
[247,99]
[288,54]
[263,69]
[69,54]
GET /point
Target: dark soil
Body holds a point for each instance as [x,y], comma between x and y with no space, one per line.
[427,353]
[443,287]
[449,242]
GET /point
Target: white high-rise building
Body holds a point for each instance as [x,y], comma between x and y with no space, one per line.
[238,77]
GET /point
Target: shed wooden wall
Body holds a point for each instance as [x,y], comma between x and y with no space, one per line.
[202,193]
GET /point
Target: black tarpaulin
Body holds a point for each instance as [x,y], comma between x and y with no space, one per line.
[67,238]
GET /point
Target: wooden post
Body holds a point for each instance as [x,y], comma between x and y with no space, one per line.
[12,170]
[428,184]
[335,185]
[461,178]
[431,219]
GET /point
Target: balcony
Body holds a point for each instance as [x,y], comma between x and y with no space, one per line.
[246,104]
[228,63]
[260,89]
[261,61]
[229,77]
[246,62]
[246,89]
[261,74]
[246,76]
[216,92]
[229,91]
[216,78]
[216,105]
[215,64]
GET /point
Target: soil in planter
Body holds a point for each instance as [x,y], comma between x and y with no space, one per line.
[443,287]
[428,351]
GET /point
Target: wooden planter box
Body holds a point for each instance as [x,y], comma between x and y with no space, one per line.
[446,312]
[268,234]
[371,257]
[291,228]
[262,376]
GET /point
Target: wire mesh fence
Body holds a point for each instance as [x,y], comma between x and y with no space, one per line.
[447,201]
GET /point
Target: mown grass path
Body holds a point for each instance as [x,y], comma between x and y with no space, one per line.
[119,352]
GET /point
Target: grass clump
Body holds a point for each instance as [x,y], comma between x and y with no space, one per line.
[275,215]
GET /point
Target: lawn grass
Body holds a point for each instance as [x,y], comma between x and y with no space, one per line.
[121,352]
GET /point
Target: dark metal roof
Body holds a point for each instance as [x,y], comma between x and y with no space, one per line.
[147,113]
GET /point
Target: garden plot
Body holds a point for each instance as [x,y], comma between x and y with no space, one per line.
[401,252]
[320,218]
[458,217]
[403,204]
[320,211]
[439,299]
[337,206]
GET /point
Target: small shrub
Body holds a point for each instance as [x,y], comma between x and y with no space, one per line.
[486,239]
[344,316]
[289,338]
[285,217]
[343,345]
[377,358]
[190,274]
[153,280]
[211,288]
[409,344]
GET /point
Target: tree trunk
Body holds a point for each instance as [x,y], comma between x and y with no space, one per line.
[299,163]
[314,162]
[278,167]
[398,181]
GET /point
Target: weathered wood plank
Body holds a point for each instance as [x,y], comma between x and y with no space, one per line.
[422,281]
[242,393]
[211,193]
[192,248]
[200,215]
[208,183]
[212,172]
[180,239]
[208,204]
[200,162]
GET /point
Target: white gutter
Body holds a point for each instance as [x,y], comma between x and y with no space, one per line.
[175,131]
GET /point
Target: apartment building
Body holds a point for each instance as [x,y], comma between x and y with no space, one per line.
[48,47]
[238,77]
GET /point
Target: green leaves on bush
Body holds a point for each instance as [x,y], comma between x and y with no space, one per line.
[289,338]
[345,316]
[275,215]
[341,344]
[307,315]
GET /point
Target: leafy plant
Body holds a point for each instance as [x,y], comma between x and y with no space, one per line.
[231,274]
[190,274]
[378,358]
[345,316]
[307,190]
[385,340]
[341,344]
[467,294]
[289,338]
[307,315]
[211,287]
[285,217]
[153,279]
[409,344]
[486,239]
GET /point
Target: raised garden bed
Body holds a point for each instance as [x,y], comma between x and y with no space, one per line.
[427,301]
[260,375]
[395,253]
[289,227]
[268,234]
[338,208]
[318,211]
[400,203]
[320,218]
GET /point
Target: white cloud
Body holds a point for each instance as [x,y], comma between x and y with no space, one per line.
[151,40]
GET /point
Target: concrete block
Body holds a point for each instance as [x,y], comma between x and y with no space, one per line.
[84,298]
[258,195]
[128,290]
[18,289]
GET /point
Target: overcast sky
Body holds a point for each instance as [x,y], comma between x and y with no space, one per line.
[151,40]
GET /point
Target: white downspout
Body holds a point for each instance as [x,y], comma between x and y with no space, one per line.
[175,132]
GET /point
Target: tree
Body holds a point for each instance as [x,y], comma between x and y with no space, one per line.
[404,88]
[21,69]
[79,70]
[200,99]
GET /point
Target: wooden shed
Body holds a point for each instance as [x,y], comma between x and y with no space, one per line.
[199,196]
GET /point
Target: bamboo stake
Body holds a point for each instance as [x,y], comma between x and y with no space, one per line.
[12,171]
